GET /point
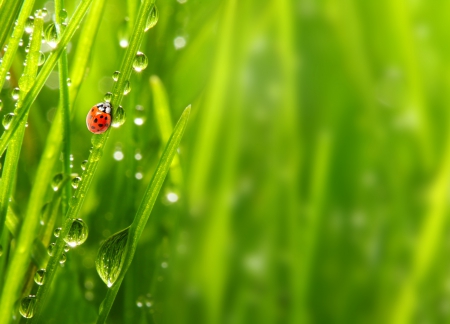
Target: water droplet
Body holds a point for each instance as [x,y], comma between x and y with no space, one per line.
[69,82]
[75,182]
[118,155]
[21,42]
[172,197]
[15,93]
[63,14]
[50,249]
[1,250]
[110,257]
[1,105]
[164,265]
[44,12]
[107,97]
[179,42]
[51,35]
[127,88]
[83,164]
[63,258]
[140,301]
[140,62]
[139,175]
[139,117]
[39,277]
[66,248]
[152,18]
[138,155]
[119,117]
[27,305]
[29,25]
[41,59]
[8,76]
[57,231]
[56,182]
[115,75]
[78,233]
[7,120]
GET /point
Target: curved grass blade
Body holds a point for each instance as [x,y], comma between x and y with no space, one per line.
[143,213]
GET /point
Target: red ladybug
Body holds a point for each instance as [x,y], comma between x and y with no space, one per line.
[98,118]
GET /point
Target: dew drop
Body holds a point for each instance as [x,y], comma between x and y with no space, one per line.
[41,58]
[63,14]
[27,305]
[57,231]
[140,62]
[139,175]
[110,257]
[152,18]
[115,75]
[66,248]
[83,164]
[69,82]
[21,42]
[39,277]
[8,76]
[118,155]
[172,197]
[127,88]
[75,182]
[179,42]
[29,25]
[119,117]
[44,12]
[63,258]
[78,233]
[107,97]
[56,182]
[51,35]
[50,249]
[139,117]
[7,120]
[1,250]
[15,93]
[140,301]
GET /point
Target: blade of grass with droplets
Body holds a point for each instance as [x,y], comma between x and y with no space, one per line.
[8,12]
[145,208]
[13,153]
[13,44]
[164,122]
[98,142]
[20,259]
[45,72]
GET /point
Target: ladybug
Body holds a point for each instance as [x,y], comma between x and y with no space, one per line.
[98,118]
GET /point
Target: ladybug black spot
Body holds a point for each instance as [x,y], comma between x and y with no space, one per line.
[100,125]
[95,120]
[93,127]
[92,110]
[101,116]
[106,118]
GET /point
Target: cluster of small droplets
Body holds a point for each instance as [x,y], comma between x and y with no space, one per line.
[144,301]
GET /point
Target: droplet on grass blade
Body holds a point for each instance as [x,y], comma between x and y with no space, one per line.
[83,165]
[56,182]
[41,59]
[39,277]
[116,75]
[29,25]
[51,35]
[57,231]
[152,18]
[75,182]
[78,233]
[110,257]
[127,88]
[15,93]
[27,305]
[140,62]
[7,120]
[119,117]
[50,249]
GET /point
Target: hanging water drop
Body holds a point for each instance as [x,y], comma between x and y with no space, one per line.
[50,249]
[63,258]
[63,14]
[51,35]
[119,117]
[75,182]
[78,233]
[21,42]
[140,62]
[115,75]
[8,76]
[44,12]
[152,18]
[27,305]
[39,277]
[7,120]
[107,97]
[41,58]
[29,25]
[15,93]
[83,164]
[139,117]
[57,180]
[110,257]
[66,248]
[127,88]
[69,82]
[57,231]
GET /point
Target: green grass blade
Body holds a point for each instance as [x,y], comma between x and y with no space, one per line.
[8,12]
[144,211]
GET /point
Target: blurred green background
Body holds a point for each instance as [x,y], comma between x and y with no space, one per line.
[315,165]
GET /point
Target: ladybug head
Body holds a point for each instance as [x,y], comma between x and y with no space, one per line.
[104,107]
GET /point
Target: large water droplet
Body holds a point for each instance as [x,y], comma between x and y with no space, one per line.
[110,257]
[15,93]
[152,18]
[51,35]
[107,97]
[29,25]
[50,249]
[115,75]
[7,120]
[39,277]
[75,182]
[57,180]
[119,117]
[78,233]
[57,231]
[41,59]
[140,62]
[27,305]
[127,88]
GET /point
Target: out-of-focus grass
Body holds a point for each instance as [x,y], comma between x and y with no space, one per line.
[315,164]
